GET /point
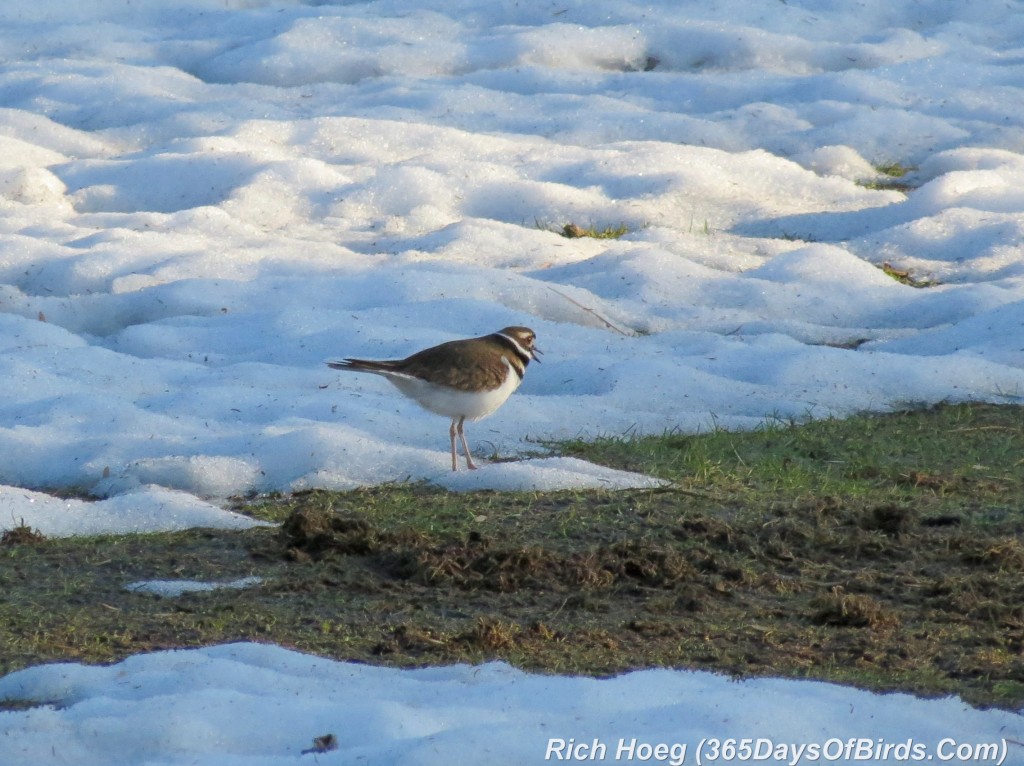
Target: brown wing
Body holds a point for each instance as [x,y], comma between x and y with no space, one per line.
[458,365]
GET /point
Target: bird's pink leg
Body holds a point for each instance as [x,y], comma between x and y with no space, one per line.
[465,447]
[451,433]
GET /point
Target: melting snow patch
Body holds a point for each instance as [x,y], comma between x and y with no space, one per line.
[174,588]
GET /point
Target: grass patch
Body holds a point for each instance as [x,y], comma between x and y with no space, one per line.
[881,551]
[895,169]
[906,277]
[575,231]
[893,178]
[951,451]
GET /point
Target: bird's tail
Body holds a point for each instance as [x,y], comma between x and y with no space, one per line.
[362,365]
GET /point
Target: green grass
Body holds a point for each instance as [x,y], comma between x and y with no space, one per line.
[906,276]
[575,231]
[895,169]
[883,458]
[885,551]
[894,173]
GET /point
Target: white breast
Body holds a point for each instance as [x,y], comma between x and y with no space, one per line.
[453,403]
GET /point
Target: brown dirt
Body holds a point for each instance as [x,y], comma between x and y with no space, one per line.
[877,595]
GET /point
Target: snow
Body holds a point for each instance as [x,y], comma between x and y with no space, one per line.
[147,509]
[200,706]
[202,202]
[172,588]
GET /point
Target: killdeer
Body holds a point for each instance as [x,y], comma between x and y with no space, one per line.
[462,379]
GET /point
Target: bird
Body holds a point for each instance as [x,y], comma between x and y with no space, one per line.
[461,379]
